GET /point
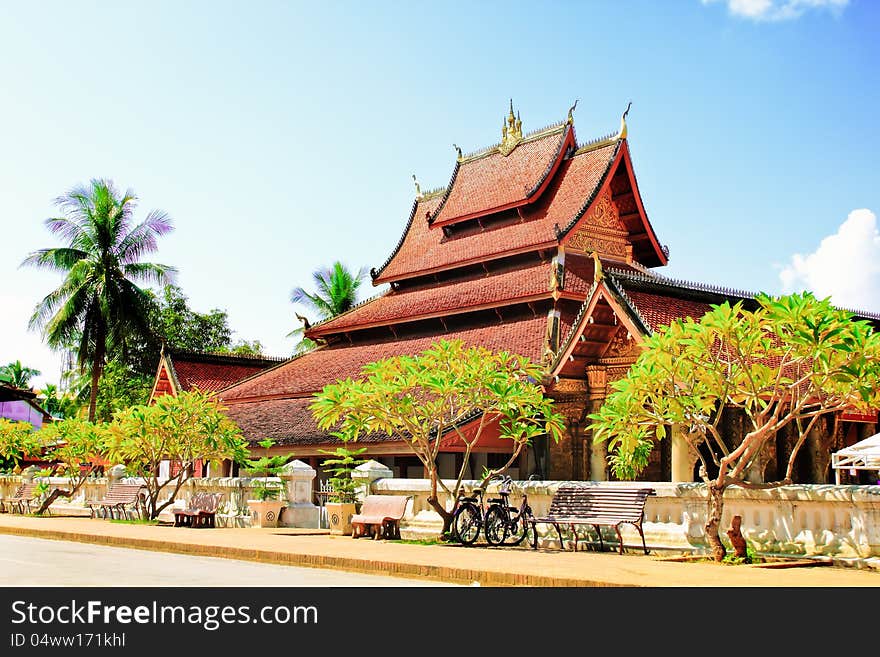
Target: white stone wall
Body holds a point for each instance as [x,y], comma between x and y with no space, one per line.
[804,520]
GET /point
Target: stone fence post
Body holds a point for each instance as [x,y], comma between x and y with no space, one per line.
[300,510]
[367,473]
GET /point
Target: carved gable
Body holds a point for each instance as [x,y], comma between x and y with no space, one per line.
[601,230]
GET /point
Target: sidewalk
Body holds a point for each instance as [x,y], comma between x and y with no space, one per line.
[487,566]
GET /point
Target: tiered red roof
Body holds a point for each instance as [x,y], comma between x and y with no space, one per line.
[482,290]
[519,177]
[424,249]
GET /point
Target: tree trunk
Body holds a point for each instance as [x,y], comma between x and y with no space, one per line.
[713,522]
[441,510]
[737,540]
[97,370]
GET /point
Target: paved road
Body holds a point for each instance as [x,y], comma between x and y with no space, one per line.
[40,562]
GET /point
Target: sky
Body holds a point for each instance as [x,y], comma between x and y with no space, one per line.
[282,136]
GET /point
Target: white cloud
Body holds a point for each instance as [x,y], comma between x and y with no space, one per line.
[778,10]
[846,266]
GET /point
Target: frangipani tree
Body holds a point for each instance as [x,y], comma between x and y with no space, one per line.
[76,447]
[181,429]
[428,398]
[17,440]
[787,363]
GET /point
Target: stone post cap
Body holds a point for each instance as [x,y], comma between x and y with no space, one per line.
[297,470]
[372,470]
[117,471]
[29,472]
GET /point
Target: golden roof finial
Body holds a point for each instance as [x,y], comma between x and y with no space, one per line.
[418,189]
[571,111]
[457,150]
[622,133]
[511,133]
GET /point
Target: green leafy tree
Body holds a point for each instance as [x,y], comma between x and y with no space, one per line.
[788,363]
[18,375]
[56,403]
[76,448]
[181,429]
[335,293]
[17,441]
[429,397]
[99,306]
[243,348]
[267,466]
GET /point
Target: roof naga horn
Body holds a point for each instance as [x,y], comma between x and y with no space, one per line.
[622,133]
[571,111]
[457,150]
[418,188]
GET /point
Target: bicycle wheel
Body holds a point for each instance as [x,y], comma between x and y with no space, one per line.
[519,530]
[496,525]
[466,523]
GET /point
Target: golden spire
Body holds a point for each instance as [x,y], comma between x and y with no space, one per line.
[511,132]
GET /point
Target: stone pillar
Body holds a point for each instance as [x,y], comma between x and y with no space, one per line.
[366,473]
[597,390]
[598,461]
[300,510]
[682,457]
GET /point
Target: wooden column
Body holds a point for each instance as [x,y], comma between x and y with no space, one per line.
[597,386]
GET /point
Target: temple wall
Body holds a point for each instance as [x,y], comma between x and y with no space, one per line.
[841,522]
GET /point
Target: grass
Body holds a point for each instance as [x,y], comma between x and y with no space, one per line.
[136,521]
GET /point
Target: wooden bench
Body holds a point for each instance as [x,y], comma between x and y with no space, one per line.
[21,499]
[380,515]
[120,497]
[597,506]
[200,512]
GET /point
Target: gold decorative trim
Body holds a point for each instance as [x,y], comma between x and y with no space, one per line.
[511,132]
[610,140]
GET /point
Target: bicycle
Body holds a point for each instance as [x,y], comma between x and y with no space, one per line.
[498,522]
[504,522]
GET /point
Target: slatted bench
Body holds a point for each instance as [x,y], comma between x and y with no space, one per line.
[200,512]
[120,497]
[597,506]
[380,515]
[21,499]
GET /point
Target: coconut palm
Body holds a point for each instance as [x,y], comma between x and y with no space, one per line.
[19,375]
[99,307]
[335,294]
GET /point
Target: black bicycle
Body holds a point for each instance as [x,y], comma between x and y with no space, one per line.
[500,522]
[506,524]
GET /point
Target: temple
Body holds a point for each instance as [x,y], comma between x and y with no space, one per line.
[539,245]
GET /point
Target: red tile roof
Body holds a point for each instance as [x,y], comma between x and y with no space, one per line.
[312,371]
[494,181]
[660,310]
[286,421]
[424,249]
[213,372]
[445,298]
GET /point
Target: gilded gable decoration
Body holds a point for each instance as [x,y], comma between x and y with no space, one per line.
[511,132]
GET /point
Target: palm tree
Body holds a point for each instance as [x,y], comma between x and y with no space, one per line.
[19,375]
[336,293]
[99,306]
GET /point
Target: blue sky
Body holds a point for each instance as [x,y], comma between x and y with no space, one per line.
[282,136]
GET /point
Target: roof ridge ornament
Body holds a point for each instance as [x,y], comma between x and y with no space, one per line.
[457,150]
[571,109]
[511,132]
[418,188]
[622,133]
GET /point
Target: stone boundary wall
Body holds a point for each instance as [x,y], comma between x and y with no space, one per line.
[808,520]
[842,522]
[232,512]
